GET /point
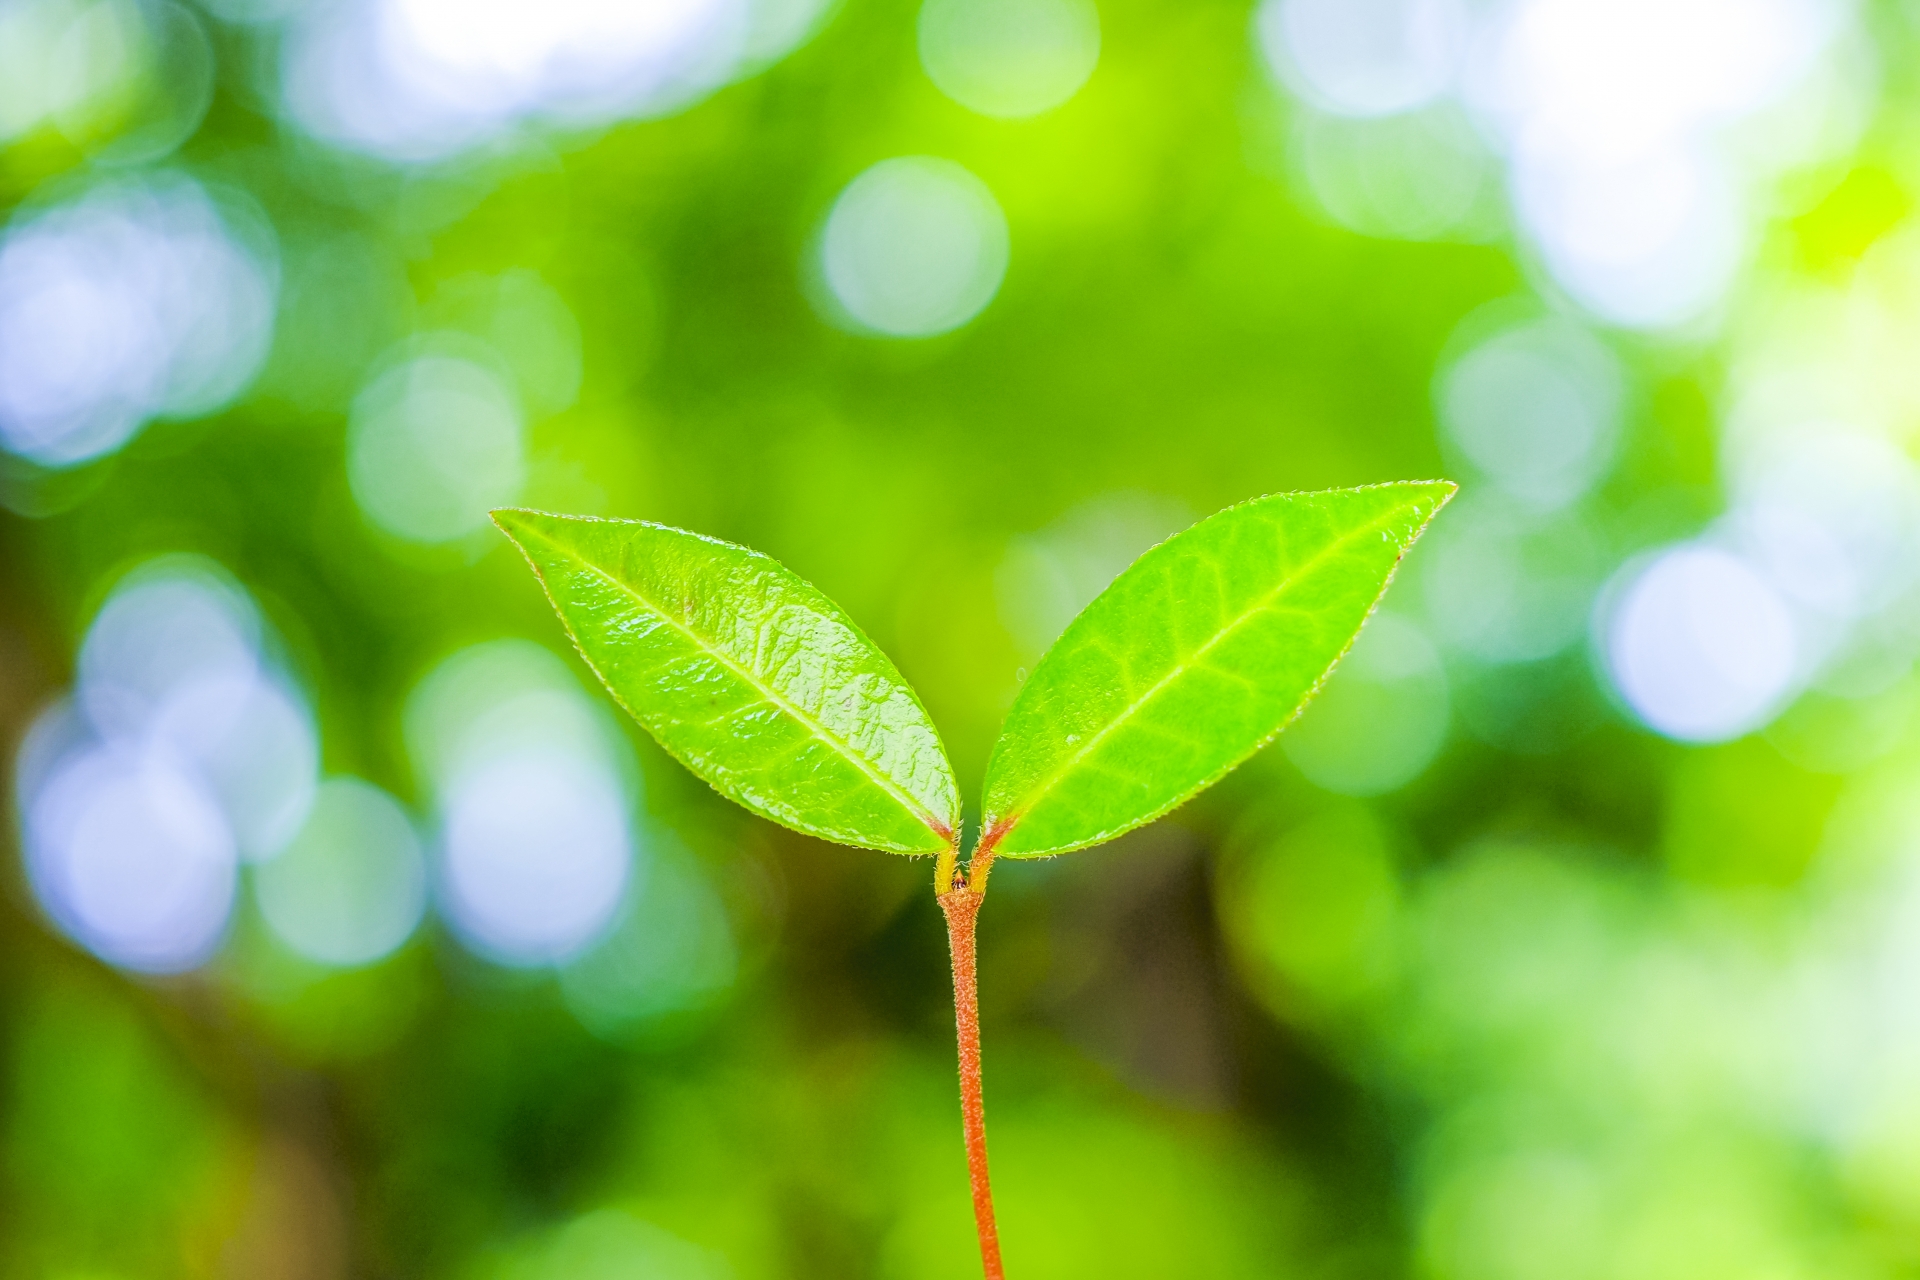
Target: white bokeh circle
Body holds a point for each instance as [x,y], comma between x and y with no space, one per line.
[1009,58]
[914,246]
[1700,646]
[433,444]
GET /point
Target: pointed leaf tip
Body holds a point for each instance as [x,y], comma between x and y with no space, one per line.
[749,676]
[1192,660]
[515,521]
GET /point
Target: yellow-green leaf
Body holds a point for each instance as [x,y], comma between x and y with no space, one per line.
[750,677]
[1192,660]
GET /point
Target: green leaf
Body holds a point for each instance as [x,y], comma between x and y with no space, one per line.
[1192,660]
[750,677]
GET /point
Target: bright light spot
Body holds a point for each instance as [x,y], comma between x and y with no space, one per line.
[671,950]
[489,700]
[1363,57]
[913,247]
[1611,82]
[1419,175]
[1610,113]
[172,664]
[778,27]
[254,747]
[181,752]
[1536,410]
[126,852]
[1618,120]
[434,443]
[175,624]
[1380,719]
[129,82]
[1650,242]
[29,30]
[1009,58]
[537,852]
[573,58]
[1829,516]
[423,79]
[134,302]
[353,884]
[535,795]
[1700,646]
[1505,585]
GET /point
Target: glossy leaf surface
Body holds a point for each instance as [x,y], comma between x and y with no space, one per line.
[750,677]
[1192,660]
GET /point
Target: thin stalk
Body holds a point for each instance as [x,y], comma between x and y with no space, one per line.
[960,903]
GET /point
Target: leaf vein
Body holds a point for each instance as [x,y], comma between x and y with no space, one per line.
[1180,668]
[772,696]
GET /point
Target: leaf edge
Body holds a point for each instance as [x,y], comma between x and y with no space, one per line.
[992,836]
[949,838]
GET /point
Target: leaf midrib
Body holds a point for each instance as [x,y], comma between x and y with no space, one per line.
[1008,821]
[844,749]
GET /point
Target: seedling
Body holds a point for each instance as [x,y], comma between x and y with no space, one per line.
[1192,660]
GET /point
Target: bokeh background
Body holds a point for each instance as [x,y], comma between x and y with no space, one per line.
[1574,934]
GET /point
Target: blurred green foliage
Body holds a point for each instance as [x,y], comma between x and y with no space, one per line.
[1549,997]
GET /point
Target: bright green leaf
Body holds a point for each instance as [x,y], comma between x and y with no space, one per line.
[1192,660]
[750,677]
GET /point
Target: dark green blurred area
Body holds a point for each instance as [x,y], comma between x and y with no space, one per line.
[1555,1004]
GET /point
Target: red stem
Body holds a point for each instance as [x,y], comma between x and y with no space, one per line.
[961,905]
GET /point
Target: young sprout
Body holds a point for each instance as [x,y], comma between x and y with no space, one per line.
[1192,660]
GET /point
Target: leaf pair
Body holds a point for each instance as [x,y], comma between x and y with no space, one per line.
[1188,663]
